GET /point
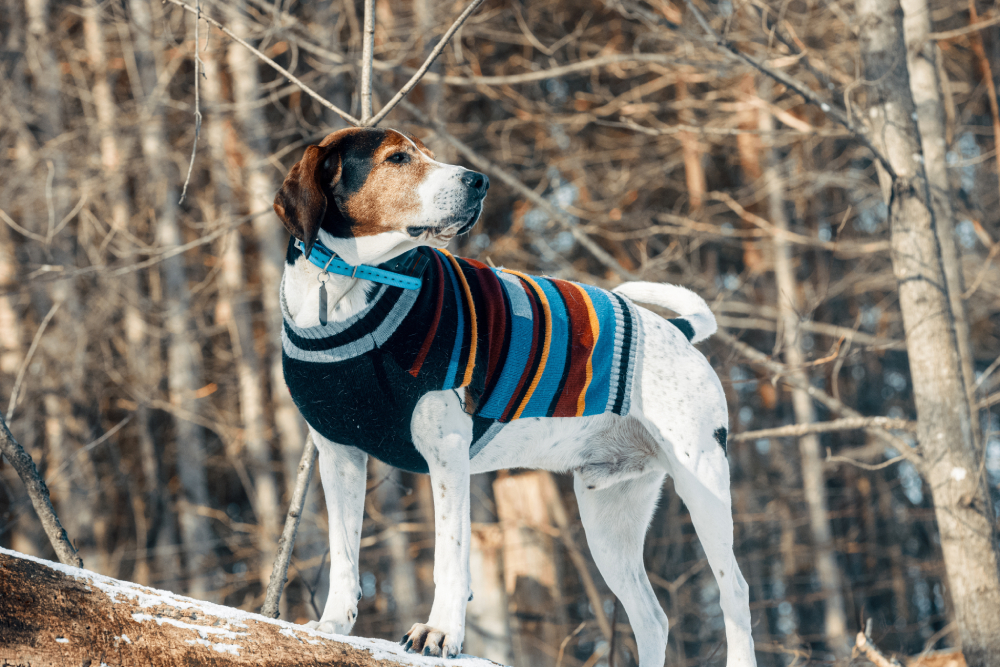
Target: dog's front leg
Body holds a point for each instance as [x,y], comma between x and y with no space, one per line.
[343,471]
[442,433]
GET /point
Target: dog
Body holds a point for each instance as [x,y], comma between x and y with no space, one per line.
[392,347]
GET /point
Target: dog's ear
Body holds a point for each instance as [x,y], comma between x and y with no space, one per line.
[301,201]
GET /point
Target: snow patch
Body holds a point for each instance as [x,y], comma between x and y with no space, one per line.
[202,630]
[958,473]
[62,640]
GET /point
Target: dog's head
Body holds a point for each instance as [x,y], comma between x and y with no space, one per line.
[371,194]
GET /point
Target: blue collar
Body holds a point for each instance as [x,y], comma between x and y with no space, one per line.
[327,260]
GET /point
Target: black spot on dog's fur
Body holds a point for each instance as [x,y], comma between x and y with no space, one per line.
[684,326]
[720,437]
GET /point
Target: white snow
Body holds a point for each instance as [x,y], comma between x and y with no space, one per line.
[144,598]
[62,640]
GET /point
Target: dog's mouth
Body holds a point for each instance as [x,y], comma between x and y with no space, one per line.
[448,231]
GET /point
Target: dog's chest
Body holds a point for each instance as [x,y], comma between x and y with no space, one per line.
[523,346]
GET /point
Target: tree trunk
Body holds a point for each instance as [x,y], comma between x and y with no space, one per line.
[402,574]
[234,312]
[53,614]
[923,61]
[487,631]
[149,55]
[531,568]
[813,481]
[270,236]
[962,502]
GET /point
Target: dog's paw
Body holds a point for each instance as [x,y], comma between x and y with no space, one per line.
[332,626]
[426,640]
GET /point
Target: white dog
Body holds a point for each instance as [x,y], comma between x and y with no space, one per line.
[382,330]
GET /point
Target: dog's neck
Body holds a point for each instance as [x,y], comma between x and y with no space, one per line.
[345,296]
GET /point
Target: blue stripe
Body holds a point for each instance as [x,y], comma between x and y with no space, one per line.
[547,387]
[449,378]
[520,347]
[600,384]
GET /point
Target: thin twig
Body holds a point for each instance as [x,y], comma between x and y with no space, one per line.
[844,424]
[198,64]
[514,183]
[374,120]
[367,56]
[281,70]
[832,112]
[830,458]
[89,446]
[279,573]
[958,32]
[39,495]
[976,41]
[27,359]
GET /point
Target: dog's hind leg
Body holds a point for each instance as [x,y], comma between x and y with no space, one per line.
[344,473]
[700,471]
[442,433]
[615,519]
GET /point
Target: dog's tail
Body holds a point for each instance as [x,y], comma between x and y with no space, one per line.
[696,320]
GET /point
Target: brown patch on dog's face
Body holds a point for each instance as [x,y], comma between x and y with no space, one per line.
[365,182]
[387,200]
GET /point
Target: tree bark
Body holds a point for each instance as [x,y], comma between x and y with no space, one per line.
[234,312]
[270,236]
[810,452]
[59,615]
[402,574]
[149,55]
[954,472]
[531,568]
[487,631]
[923,62]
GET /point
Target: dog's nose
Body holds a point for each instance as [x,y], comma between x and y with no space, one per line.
[476,181]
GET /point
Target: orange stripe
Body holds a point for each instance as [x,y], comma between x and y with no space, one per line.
[595,328]
[547,340]
[471,364]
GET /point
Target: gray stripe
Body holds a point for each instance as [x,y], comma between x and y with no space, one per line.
[485,439]
[355,348]
[633,353]
[616,358]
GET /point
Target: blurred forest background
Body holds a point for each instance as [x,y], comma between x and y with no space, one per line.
[139,356]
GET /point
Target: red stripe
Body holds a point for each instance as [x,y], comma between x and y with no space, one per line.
[530,362]
[496,318]
[426,347]
[581,346]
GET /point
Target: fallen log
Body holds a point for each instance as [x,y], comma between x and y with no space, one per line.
[54,614]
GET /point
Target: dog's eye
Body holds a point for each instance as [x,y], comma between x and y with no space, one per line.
[398,158]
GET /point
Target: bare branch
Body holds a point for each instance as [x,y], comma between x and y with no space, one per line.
[859,464]
[958,32]
[845,424]
[284,72]
[488,166]
[759,358]
[836,114]
[27,359]
[39,494]
[367,56]
[198,65]
[423,68]
[279,573]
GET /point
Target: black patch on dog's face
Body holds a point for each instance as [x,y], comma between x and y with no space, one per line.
[685,328]
[720,435]
[356,152]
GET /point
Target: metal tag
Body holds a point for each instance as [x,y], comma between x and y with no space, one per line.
[322,304]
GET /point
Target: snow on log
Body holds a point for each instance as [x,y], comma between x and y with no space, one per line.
[53,614]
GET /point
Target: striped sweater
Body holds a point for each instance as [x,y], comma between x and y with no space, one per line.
[524,346]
